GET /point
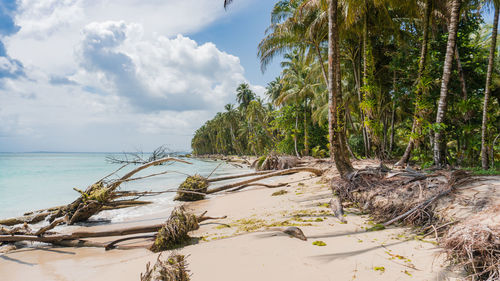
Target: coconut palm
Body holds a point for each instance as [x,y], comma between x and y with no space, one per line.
[439,146]
[298,87]
[273,89]
[244,95]
[487,88]
[417,124]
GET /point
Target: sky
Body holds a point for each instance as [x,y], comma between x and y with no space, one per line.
[123,75]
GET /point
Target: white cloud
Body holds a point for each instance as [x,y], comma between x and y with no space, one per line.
[113,75]
[159,74]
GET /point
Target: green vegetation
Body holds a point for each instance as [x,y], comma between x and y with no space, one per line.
[376,227]
[278,193]
[418,82]
[319,243]
[193,184]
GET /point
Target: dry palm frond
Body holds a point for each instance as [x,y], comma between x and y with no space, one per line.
[475,244]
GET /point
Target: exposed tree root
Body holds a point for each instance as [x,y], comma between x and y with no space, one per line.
[475,244]
[411,197]
[175,231]
[174,268]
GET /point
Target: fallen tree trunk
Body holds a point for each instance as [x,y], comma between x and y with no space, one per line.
[315,171]
[31,219]
[259,184]
[239,176]
[173,232]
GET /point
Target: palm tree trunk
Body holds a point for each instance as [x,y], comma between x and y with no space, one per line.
[235,143]
[393,114]
[320,59]
[484,149]
[461,75]
[296,132]
[439,145]
[416,126]
[306,141]
[335,112]
[357,79]
[461,145]
[365,71]
[384,139]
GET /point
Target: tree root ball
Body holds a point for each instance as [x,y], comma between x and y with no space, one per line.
[175,231]
[194,183]
[174,268]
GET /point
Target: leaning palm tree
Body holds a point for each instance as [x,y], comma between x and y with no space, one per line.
[439,145]
[487,90]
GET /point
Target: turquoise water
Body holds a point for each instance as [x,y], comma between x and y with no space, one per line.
[32,181]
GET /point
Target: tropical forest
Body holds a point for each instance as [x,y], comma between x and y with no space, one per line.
[409,81]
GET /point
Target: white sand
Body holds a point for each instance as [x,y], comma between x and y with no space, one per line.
[228,253]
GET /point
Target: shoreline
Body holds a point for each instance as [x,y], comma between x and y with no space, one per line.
[251,248]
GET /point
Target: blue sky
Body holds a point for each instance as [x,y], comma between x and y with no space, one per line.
[122,75]
[240,34]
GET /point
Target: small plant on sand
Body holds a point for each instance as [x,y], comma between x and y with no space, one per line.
[379,269]
[278,193]
[324,205]
[319,243]
[376,227]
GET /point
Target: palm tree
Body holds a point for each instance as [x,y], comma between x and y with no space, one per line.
[298,88]
[487,90]
[232,118]
[417,125]
[273,89]
[336,110]
[244,95]
[439,146]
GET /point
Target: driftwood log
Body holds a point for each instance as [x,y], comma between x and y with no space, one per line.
[315,171]
[168,235]
[200,185]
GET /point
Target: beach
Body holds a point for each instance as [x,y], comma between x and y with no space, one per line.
[248,244]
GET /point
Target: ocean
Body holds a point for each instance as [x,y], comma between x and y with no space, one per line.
[33,181]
